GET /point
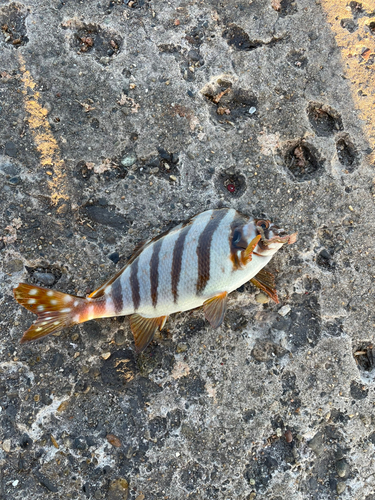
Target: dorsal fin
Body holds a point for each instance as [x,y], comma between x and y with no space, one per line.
[137,251]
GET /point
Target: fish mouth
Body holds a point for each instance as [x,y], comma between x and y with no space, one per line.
[280,236]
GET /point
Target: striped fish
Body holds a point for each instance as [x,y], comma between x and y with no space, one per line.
[198,263]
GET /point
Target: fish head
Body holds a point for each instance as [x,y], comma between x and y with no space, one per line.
[272,236]
[257,235]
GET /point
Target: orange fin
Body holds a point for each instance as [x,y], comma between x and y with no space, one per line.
[266,282]
[247,254]
[215,308]
[144,329]
[55,310]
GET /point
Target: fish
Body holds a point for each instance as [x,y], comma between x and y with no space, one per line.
[198,263]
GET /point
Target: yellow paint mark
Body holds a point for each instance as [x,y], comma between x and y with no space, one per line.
[44,140]
[358,54]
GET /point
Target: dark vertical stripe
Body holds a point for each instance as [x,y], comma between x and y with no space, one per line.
[117,297]
[154,272]
[134,284]
[177,260]
[204,248]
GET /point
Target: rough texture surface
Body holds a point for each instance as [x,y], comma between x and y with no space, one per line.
[119,120]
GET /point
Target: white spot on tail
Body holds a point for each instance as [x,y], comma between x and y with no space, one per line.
[56,323]
[76,302]
[53,302]
[33,291]
[90,312]
[67,298]
[44,323]
[50,293]
[31,301]
[66,310]
[76,318]
[38,329]
[40,308]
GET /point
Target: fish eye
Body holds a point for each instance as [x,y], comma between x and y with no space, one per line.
[264,224]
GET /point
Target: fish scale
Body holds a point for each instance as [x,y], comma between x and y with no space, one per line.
[195,264]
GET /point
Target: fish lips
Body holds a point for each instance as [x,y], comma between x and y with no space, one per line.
[279,236]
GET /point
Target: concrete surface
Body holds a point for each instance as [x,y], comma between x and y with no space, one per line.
[117,121]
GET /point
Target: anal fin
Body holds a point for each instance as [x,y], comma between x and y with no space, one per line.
[144,329]
[266,282]
[215,308]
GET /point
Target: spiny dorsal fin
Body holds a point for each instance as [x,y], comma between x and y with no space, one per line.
[137,251]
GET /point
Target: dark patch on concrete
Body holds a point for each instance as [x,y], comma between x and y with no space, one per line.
[13,26]
[94,39]
[237,38]
[358,391]
[106,216]
[266,350]
[303,324]
[119,369]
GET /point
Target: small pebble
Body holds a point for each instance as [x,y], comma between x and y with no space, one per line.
[340,487]
[173,178]
[6,445]
[120,337]
[14,181]
[342,468]
[47,279]
[106,355]
[181,348]
[283,311]
[262,298]
[128,161]
[252,110]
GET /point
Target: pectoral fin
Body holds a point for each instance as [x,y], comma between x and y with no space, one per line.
[144,329]
[266,282]
[215,308]
[247,254]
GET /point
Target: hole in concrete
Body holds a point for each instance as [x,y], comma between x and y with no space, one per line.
[349,24]
[164,165]
[83,172]
[44,275]
[302,161]
[324,120]
[231,103]
[324,260]
[364,355]
[91,38]
[12,24]
[284,7]
[356,8]
[347,154]
[297,59]
[237,38]
[232,184]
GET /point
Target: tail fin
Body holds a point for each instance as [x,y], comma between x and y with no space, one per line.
[55,310]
